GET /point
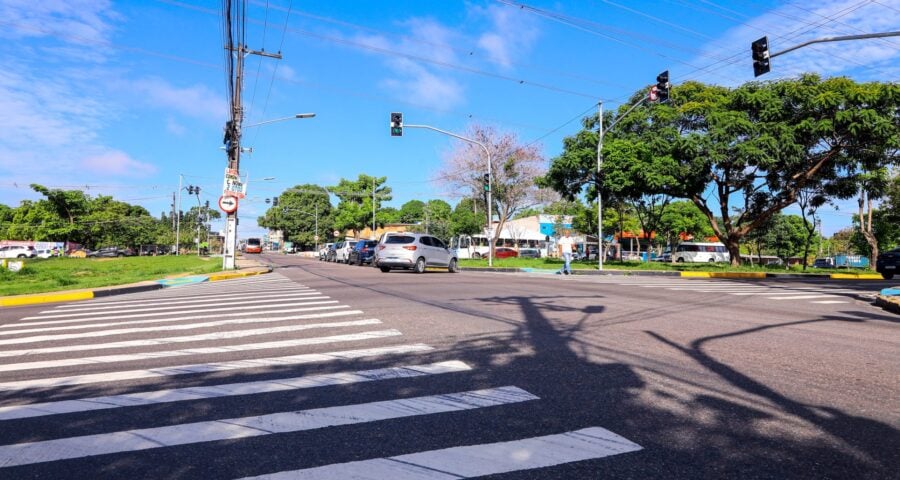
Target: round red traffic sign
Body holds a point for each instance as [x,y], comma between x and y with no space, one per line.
[228,203]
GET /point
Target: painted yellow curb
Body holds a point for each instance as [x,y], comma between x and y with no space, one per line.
[856,276]
[228,276]
[724,274]
[47,298]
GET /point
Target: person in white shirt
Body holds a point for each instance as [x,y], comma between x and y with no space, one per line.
[565,245]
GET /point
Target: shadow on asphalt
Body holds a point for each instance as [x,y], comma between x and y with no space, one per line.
[694,435]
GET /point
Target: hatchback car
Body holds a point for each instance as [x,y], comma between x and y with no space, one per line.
[529,253]
[362,252]
[888,263]
[414,251]
[17,251]
[107,252]
[505,252]
[342,251]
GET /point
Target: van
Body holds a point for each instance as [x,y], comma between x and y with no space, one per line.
[696,252]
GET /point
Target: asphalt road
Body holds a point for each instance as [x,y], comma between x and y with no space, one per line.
[548,377]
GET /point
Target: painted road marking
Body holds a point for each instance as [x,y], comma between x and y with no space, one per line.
[828,302]
[166,301]
[228,335]
[105,333]
[263,311]
[227,390]
[234,428]
[165,295]
[289,360]
[475,460]
[198,351]
[106,316]
[801,297]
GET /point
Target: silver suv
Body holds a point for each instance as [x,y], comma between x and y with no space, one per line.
[413,251]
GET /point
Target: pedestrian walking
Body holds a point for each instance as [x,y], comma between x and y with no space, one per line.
[565,245]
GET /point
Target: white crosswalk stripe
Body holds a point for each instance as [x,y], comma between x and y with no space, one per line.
[40,352]
[770,291]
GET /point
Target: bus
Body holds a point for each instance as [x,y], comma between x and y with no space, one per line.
[476,246]
[254,245]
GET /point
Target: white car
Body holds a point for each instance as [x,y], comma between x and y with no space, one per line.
[45,253]
[17,251]
[342,254]
[414,251]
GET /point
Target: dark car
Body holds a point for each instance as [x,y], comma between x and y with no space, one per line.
[888,263]
[111,252]
[362,252]
[529,253]
[153,250]
[332,252]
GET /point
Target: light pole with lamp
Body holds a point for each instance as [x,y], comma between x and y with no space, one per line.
[489,177]
[233,149]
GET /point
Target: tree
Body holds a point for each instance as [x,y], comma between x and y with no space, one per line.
[787,236]
[683,218]
[412,211]
[300,209]
[465,220]
[809,199]
[355,209]
[387,215]
[514,166]
[742,155]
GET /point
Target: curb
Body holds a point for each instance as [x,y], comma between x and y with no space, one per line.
[672,273]
[51,297]
[856,276]
[19,301]
[888,304]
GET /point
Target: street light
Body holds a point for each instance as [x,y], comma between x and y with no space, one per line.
[299,115]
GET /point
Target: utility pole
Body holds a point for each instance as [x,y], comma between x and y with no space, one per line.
[233,141]
[373,208]
[599,189]
[178,218]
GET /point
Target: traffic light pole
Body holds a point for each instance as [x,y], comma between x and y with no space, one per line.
[490,176]
[836,39]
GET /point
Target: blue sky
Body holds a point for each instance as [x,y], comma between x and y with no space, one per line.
[120,97]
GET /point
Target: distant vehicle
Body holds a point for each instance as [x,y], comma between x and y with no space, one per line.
[826,262]
[529,253]
[254,245]
[414,251]
[17,251]
[697,253]
[362,252]
[888,263]
[109,252]
[323,252]
[342,253]
[44,253]
[153,250]
[332,251]
[505,252]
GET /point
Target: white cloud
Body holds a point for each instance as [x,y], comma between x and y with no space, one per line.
[175,128]
[195,101]
[789,25]
[514,33]
[117,163]
[81,21]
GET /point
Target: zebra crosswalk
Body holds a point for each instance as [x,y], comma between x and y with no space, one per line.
[817,294]
[88,377]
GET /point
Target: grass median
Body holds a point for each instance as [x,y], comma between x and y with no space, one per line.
[55,274]
[556,264]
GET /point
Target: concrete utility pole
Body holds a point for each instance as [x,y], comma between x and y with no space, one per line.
[233,144]
[178,218]
[600,190]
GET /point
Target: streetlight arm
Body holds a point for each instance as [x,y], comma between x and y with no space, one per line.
[299,115]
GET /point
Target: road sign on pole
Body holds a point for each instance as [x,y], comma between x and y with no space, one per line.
[228,203]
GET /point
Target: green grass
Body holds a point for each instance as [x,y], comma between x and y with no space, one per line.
[556,264]
[54,274]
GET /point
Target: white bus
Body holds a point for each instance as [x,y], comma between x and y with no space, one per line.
[697,252]
[476,246]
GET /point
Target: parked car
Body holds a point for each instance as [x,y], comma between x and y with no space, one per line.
[107,252]
[17,251]
[342,253]
[153,250]
[323,252]
[826,262]
[362,252]
[332,251]
[44,253]
[414,251]
[529,253]
[888,263]
[505,252]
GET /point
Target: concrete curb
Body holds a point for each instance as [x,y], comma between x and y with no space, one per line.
[856,276]
[71,296]
[891,304]
[671,273]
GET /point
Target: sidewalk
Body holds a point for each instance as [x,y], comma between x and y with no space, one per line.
[245,267]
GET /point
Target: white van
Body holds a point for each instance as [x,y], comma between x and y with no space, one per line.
[698,252]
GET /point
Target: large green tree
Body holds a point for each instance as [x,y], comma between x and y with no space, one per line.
[466,219]
[355,209]
[412,211]
[303,211]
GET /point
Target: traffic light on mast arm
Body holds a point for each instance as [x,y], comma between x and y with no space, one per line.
[396,124]
[760,50]
[662,86]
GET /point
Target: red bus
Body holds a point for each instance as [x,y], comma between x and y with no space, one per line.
[254,245]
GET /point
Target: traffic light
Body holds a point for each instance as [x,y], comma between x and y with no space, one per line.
[662,86]
[760,50]
[274,201]
[487,182]
[181,215]
[396,124]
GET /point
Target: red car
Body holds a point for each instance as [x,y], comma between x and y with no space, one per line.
[505,252]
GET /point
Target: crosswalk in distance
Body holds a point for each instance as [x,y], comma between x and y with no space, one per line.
[86,387]
[817,294]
